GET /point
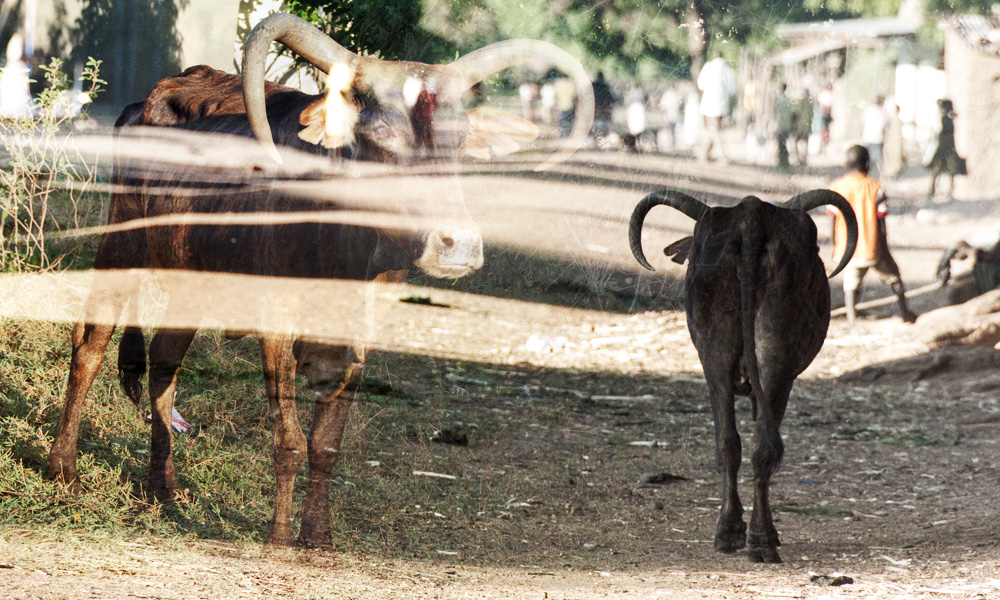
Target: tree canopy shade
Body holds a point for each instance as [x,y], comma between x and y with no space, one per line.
[389,28]
[638,39]
[136,39]
[625,38]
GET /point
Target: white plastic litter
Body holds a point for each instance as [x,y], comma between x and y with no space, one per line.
[177,422]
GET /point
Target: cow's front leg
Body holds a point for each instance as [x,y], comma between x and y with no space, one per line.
[90,337]
[768,450]
[166,351]
[89,343]
[289,442]
[730,534]
[332,410]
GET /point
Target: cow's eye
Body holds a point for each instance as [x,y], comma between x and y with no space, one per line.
[380,131]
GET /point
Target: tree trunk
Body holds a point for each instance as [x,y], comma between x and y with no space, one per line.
[694,21]
[974,323]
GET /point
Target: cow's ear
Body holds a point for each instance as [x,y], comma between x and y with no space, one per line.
[679,250]
[494,132]
[330,121]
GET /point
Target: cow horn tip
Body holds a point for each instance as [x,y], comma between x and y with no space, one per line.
[272,153]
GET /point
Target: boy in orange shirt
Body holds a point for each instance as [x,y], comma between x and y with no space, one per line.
[869,203]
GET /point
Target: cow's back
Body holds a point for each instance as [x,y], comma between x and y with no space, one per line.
[205,100]
[793,300]
[196,93]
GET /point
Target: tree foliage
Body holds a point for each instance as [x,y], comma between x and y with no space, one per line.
[626,38]
[387,28]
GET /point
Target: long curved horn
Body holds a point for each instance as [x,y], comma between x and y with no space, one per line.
[302,38]
[814,199]
[691,207]
[480,64]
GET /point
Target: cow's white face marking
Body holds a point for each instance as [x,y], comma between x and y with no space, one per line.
[341,113]
[411,91]
[331,121]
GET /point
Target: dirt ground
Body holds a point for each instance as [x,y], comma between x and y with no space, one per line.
[888,488]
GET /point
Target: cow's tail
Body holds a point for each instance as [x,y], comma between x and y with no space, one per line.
[132,357]
[128,250]
[750,264]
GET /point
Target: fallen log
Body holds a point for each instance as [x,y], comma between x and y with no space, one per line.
[920,291]
[973,323]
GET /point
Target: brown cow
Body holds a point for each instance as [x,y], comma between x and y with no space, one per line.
[401,113]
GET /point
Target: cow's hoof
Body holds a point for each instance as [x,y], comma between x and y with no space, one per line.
[729,539]
[765,554]
[315,533]
[729,546]
[764,540]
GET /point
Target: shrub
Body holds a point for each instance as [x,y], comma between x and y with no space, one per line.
[45,182]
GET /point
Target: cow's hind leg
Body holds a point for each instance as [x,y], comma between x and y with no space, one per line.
[330,417]
[768,450]
[730,534]
[166,351]
[289,442]
[90,339]
[89,343]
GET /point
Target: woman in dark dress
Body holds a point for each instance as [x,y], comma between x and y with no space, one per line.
[945,158]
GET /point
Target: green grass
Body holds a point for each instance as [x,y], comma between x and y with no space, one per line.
[226,463]
[515,495]
[892,436]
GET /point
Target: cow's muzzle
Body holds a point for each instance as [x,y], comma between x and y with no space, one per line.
[451,252]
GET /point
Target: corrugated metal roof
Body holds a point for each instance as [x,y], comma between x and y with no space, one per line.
[803,52]
[851,29]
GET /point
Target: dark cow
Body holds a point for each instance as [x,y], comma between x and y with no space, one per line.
[402,113]
[758,307]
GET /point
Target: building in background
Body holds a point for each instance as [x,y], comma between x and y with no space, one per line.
[972,66]
[139,42]
[860,60]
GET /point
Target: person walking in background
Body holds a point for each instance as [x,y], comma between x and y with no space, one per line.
[717,82]
[604,104]
[565,104]
[528,93]
[893,157]
[784,123]
[671,105]
[873,132]
[824,103]
[942,157]
[635,118]
[870,206]
[15,79]
[750,101]
[547,101]
[801,126]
